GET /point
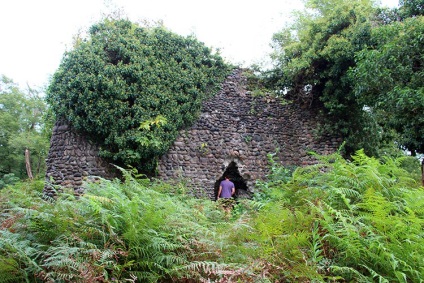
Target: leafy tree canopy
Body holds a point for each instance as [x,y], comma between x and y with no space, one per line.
[313,57]
[411,8]
[130,89]
[22,126]
[389,77]
[350,58]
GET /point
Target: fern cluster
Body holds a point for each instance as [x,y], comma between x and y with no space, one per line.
[115,232]
[348,221]
[368,221]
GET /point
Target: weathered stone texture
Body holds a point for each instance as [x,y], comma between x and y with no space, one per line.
[71,160]
[235,126]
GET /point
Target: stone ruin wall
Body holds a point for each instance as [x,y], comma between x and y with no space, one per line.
[72,159]
[234,126]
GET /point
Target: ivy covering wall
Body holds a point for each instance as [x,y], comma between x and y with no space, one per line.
[130,89]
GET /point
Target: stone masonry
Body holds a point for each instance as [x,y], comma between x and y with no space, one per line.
[240,129]
[233,134]
[72,159]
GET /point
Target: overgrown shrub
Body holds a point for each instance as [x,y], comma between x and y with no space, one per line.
[130,89]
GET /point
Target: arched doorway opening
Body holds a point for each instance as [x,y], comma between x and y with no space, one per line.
[235,177]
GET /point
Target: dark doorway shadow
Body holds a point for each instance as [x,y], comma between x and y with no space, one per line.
[233,173]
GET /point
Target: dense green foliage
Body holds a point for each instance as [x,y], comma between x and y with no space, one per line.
[313,57]
[22,126]
[370,220]
[362,65]
[411,8]
[130,89]
[358,221]
[390,79]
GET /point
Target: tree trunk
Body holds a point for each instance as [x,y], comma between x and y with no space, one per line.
[28,164]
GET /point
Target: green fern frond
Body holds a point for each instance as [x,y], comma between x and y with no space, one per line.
[349,273]
[204,266]
[14,246]
[10,270]
[375,275]
[170,260]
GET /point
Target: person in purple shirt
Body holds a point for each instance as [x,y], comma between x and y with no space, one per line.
[226,188]
[225,193]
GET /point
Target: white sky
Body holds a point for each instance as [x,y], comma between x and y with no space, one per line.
[35,33]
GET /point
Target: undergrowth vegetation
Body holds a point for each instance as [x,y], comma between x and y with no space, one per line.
[336,221]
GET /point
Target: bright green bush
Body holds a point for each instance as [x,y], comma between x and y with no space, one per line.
[130,89]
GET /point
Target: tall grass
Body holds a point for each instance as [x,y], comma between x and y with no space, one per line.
[339,220]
